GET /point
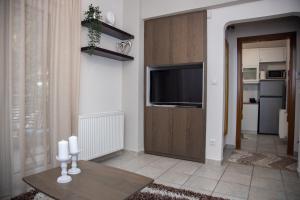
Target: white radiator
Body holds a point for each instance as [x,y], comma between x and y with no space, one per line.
[100,134]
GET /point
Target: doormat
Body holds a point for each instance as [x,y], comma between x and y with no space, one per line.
[264,160]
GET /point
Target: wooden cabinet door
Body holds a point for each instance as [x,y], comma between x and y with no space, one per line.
[161,130]
[196,134]
[180,131]
[187,38]
[157,41]
[148,130]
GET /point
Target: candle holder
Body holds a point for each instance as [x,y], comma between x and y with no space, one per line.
[74,170]
[64,178]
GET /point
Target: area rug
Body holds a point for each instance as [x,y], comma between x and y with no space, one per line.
[151,192]
[264,160]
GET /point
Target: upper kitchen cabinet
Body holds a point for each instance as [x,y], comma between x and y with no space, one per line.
[277,54]
[250,57]
[176,39]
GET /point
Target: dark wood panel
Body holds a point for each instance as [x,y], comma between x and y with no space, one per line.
[187,38]
[158,32]
[175,132]
[161,129]
[148,130]
[110,30]
[106,53]
[96,181]
[196,133]
[180,131]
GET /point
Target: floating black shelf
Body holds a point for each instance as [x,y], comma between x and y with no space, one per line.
[110,30]
[106,53]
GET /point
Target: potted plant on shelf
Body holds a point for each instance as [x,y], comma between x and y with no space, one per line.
[93,16]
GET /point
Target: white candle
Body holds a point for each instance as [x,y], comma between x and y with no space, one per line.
[73,144]
[63,149]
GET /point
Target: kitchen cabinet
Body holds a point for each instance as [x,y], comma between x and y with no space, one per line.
[251,74]
[277,54]
[250,57]
[250,118]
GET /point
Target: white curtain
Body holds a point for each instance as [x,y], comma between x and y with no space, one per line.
[39,83]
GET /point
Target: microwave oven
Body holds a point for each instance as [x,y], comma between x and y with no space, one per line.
[276,74]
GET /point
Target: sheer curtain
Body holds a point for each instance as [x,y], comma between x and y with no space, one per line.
[39,83]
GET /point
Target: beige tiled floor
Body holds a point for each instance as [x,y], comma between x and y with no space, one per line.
[264,144]
[232,181]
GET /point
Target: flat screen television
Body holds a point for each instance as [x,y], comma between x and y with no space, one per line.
[180,85]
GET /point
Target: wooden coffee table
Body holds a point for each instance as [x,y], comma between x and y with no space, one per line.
[95,182]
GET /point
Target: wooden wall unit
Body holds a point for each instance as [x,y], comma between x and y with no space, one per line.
[177,132]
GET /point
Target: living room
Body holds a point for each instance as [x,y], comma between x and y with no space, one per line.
[142,87]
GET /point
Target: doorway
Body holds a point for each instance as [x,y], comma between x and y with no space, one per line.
[246,74]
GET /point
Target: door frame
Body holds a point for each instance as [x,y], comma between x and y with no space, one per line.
[291,90]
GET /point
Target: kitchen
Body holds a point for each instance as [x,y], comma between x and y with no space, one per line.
[265,80]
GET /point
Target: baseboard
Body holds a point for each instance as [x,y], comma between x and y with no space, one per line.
[249,132]
[213,162]
[229,146]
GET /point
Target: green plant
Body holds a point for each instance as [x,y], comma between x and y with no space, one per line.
[92,16]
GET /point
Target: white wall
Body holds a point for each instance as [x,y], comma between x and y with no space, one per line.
[101,78]
[132,85]
[154,8]
[251,29]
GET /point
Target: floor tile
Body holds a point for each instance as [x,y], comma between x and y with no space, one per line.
[151,172]
[201,183]
[293,196]
[174,177]
[290,177]
[210,171]
[258,193]
[264,149]
[164,163]
[232,189]
[166,183]
[196,189]
[267,173]
[240,169]
[225,196]
[136,164]
[236,178]
[293,188]
[186,167]
[268,184]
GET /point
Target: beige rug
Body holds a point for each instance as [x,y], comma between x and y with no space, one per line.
[264,160]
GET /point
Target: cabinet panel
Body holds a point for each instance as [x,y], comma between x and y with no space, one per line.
[196,134]
[157,41]
[180,131]
[176,39]
[161,130]
[250,57]
[148,130]
[187,38]
[272,54]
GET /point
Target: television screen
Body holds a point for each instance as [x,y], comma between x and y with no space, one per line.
[177,86]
